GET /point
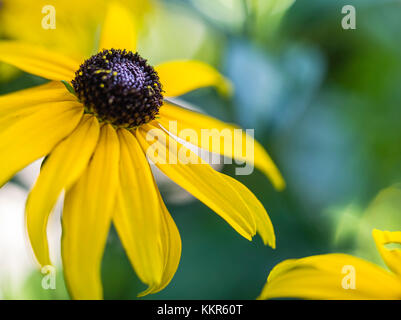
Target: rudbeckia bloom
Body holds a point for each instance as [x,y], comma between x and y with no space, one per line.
[95,138]
[340,276]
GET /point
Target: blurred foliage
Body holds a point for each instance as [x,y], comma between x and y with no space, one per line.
[324,101]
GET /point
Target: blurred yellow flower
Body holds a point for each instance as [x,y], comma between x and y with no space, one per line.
[76,22]
[96,136]
[339,276]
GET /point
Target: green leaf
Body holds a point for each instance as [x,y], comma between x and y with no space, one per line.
[68,86]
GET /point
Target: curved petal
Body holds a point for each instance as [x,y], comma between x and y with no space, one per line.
[88,209]
[38,61]
[34,136]
[118,30]
[264,226]
[50,92]
[206,184]
[331,276]
[138,218]
[221,131]
[180,77]
[62,168]
[392,257]
[171,248]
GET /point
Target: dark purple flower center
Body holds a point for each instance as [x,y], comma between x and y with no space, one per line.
[119,88]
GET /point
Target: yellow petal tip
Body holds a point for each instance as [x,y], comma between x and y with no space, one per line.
[226,87]
[279,184]
[150,290]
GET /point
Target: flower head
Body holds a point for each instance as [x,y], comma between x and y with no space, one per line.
[96,136]
[339,276]
[119,87]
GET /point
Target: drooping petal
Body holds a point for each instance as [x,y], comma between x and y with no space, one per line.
[331,276]
[118,30]
[264,226]
[38,61]
[180,77]
[17,101]
[138,219]
[34,136]
[199,179]
[62,168]
[391,256]
[171,248]
[88,209]
[217,131]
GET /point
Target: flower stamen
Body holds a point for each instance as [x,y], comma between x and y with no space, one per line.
[119,88]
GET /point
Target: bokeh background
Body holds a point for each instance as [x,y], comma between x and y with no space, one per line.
[324,101]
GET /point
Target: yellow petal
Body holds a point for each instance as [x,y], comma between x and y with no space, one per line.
[264,226]
[180,77]
[204,183]
[392,257]
[18,105]
[24,99]
[88,209]
[34,136]
[171,248]
[63,167]
[331,276]
[38,61]
[139,215]
[221,131]
[118,31]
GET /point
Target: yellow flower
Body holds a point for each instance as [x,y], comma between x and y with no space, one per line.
[74,28]
[339,276]
[96,145]
[76,22]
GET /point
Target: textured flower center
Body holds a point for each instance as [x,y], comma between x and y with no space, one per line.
[119,87]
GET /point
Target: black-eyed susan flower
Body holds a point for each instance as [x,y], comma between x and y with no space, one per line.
[339,276]
[94,129]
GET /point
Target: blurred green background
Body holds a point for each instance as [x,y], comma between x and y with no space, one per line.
[326,104]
